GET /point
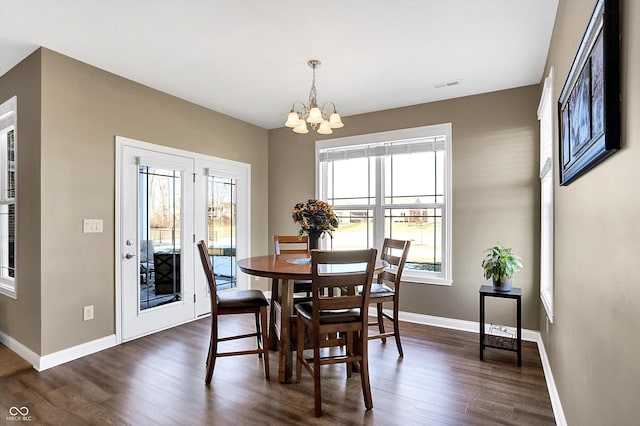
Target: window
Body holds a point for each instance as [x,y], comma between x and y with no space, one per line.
[221,228]
[545,116]
[393,184]
[8,174]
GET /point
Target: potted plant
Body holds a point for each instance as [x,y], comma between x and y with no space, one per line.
[502,265]
[315,217]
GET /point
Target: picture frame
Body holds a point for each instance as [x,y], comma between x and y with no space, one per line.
[589,104]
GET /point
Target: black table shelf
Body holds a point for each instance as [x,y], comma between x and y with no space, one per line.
[500,342]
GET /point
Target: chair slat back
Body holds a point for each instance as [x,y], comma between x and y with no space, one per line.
[208,271]
[395,253]
[346,270]
[290,244]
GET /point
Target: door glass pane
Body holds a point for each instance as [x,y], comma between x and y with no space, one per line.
[221,229]
[160,230]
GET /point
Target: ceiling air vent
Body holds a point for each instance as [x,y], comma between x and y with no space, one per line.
[447,84]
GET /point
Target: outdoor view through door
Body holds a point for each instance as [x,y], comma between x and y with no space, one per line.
[221,229]
[160,214]
[168,199]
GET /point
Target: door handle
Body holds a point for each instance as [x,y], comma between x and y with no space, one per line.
[129,255]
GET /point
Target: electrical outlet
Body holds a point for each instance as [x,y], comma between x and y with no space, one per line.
[87,313]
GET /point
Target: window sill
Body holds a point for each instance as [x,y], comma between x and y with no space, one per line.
[408,277]
[8,290]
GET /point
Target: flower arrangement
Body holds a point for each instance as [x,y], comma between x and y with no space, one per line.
[315,217]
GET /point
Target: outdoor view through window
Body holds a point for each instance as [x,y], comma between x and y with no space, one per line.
[393,189]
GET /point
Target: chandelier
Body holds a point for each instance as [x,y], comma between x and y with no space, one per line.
[312,114]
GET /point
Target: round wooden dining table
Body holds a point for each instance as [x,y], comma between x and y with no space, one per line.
[286,268]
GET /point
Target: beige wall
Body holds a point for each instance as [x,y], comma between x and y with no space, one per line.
[594,342]
[83,109]
[20,318]
[495,192]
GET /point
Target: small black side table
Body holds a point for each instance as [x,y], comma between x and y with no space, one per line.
[498,342]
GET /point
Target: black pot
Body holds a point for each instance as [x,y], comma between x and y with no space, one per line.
[502,285]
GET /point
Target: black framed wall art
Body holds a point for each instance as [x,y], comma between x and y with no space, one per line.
[589,104]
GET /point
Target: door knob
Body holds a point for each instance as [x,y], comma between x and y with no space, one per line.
[129,255]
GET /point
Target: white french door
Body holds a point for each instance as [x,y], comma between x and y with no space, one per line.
[167,199]
[156,240]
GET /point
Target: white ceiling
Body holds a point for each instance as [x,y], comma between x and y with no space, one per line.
[247,58]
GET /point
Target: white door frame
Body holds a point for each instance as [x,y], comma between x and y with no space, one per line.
[203,163]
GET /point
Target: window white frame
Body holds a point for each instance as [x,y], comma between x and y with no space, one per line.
[444,277]
[8,123]
[545,116]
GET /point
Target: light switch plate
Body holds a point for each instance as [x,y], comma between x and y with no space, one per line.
[91,225]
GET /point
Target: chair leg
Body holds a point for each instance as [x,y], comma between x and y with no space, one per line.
[213,350]
[349,342]
[317,394]
[258,333]
[364,373]
[273,339]
[396,327]
[300,348]
[265,340]
[381,321]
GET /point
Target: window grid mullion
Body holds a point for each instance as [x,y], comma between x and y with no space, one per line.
[378,221]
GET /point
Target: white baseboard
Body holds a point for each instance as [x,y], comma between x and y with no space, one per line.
[558,412]
[27,354]
[452,323]
[75,352]
[42,363]
[474,327]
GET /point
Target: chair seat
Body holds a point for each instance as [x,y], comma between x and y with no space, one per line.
[380,290]
[242,299]
[333,316]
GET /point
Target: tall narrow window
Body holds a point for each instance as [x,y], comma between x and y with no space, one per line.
[545,116]
[221,229]
[393,184]
[160,209]
[8,181]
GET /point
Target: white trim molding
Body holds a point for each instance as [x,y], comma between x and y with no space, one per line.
[75,352]
[474,327]
[41,363]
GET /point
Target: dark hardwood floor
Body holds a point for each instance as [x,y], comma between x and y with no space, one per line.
[159,379]
[10,363]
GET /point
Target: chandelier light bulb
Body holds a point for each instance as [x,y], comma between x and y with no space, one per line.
[292,119]
[335,122]
[315,116]
[301,127]
[325,128]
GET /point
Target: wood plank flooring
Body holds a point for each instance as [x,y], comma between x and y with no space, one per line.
[159,379]
[11,363]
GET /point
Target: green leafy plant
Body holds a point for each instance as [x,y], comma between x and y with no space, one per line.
[501,263]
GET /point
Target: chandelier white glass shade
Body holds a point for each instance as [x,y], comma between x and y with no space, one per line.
[322,119]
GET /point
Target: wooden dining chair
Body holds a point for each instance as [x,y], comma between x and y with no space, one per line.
[234,302]
[287,244]
[338,320]
[395,253]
